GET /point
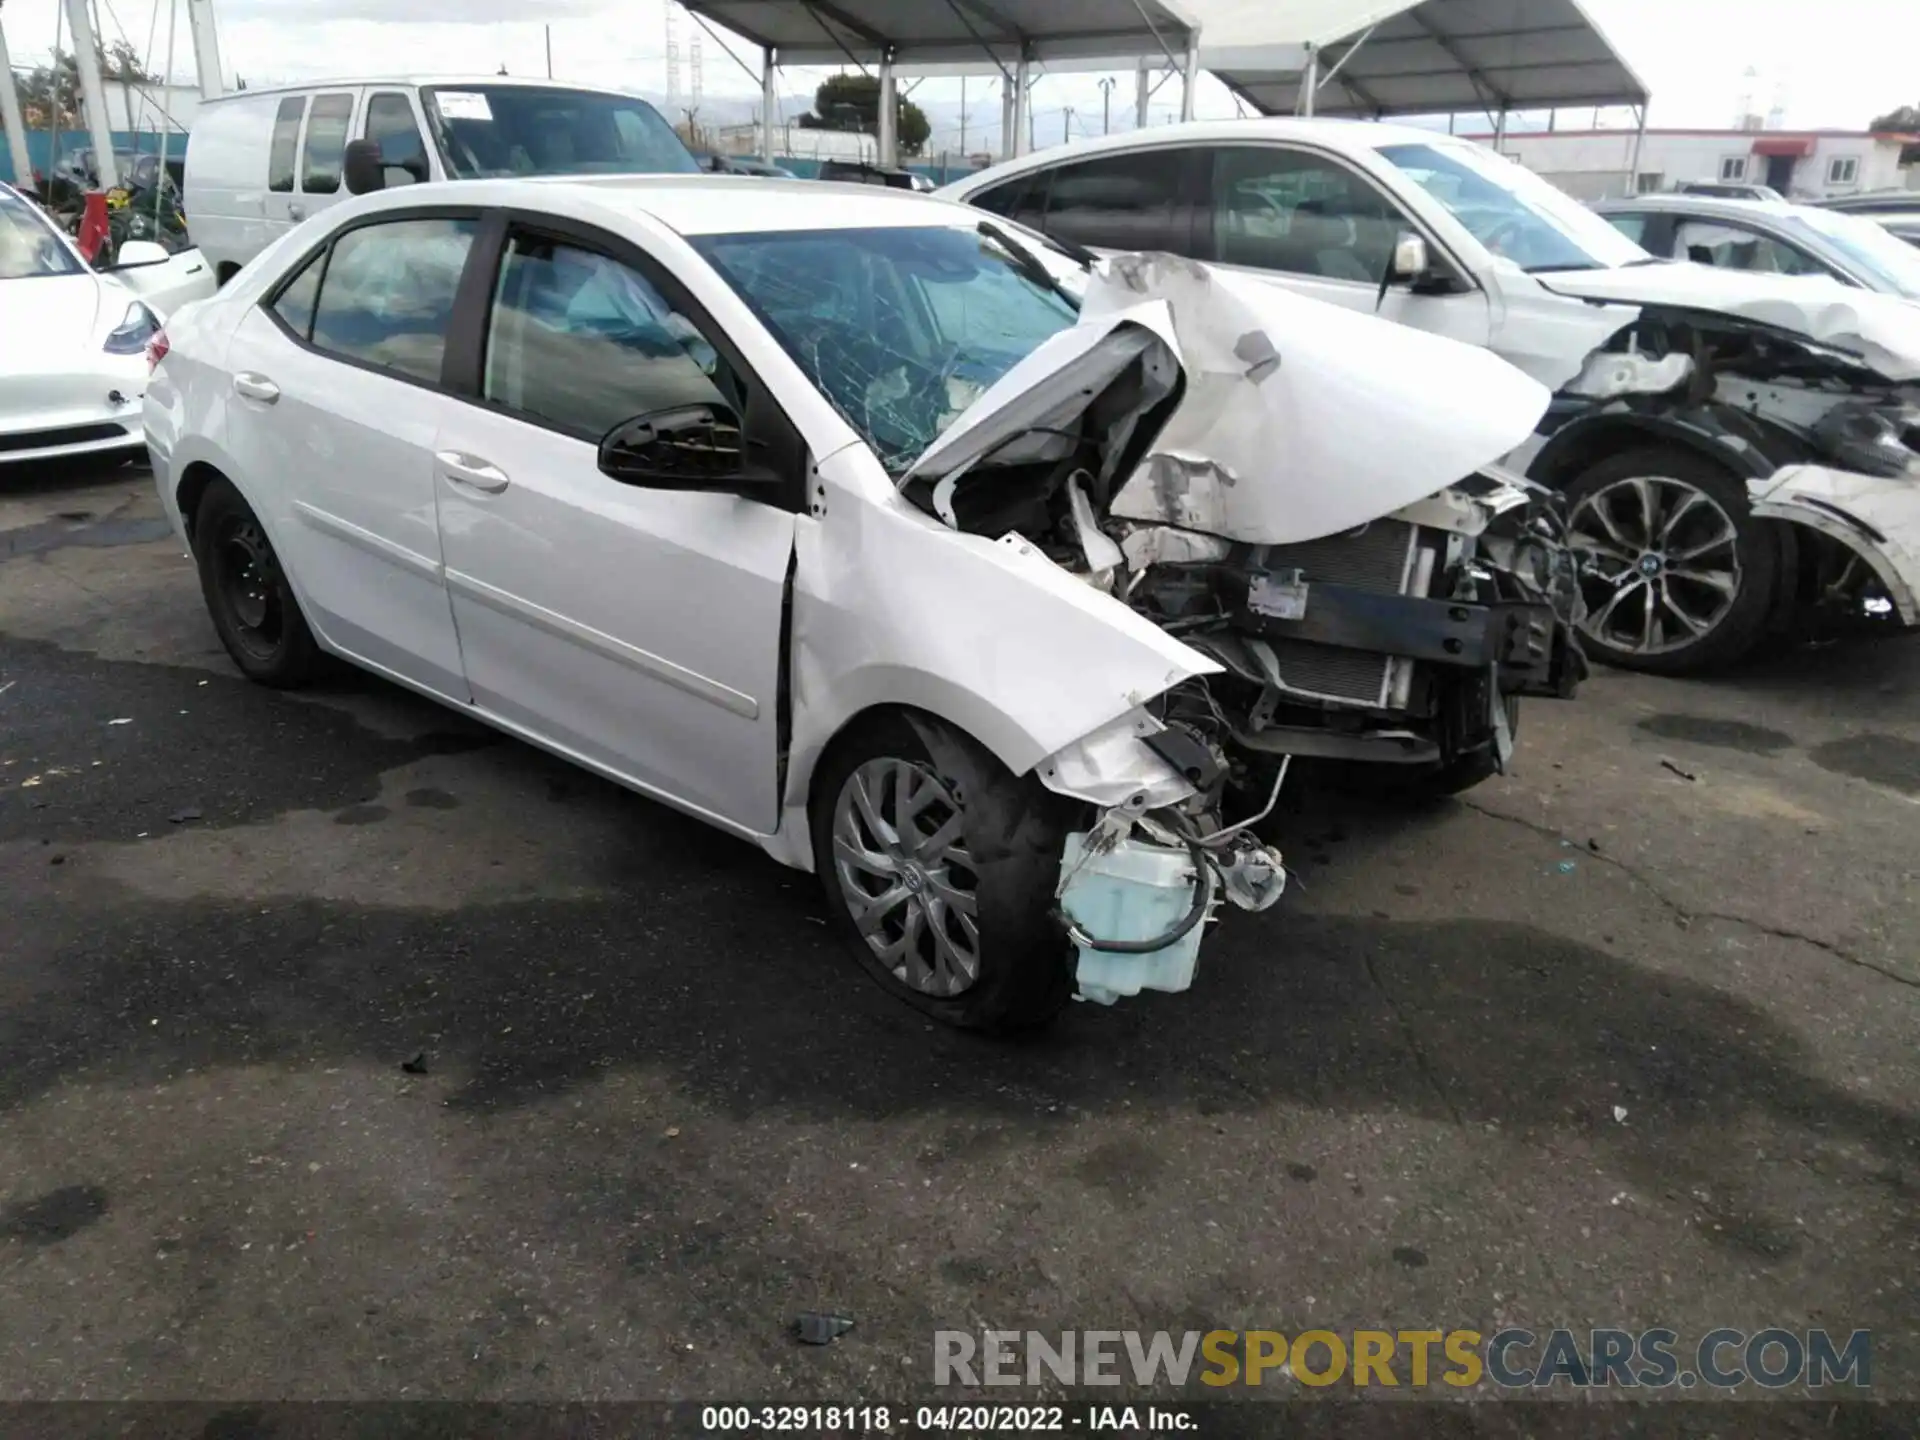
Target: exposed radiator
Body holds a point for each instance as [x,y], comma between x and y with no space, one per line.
[1379,557]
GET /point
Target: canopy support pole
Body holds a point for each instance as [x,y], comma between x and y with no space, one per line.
[769,101]
[12,118]
[889,111]
[93,90]
[1310,80]
[1633,165]
[1022,105]
[1190,79]
[206,48]
[1142,95]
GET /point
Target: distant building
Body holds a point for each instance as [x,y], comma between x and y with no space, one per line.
[1800,164]
[796,142]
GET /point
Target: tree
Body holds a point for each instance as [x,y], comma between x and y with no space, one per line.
[1905,120]
[119,64]
[852,102]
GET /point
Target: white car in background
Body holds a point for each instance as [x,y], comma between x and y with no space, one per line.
[73,339]
[1740,452]
[835,516]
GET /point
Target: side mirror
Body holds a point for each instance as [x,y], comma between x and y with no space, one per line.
[689,447]
[364,170]
[1410,258]
[136,253]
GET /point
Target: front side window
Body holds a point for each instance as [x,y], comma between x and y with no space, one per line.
[28,246]
[326,146]
[286,140]
[387,295]
[1511,211]
[582,342]
[1732,247]
[1123,202]
[1284,210]
[487,131]
[1022,199]
[390,122]
[1887,263]
[900,328]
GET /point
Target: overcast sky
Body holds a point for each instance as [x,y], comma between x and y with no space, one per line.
[1834,63]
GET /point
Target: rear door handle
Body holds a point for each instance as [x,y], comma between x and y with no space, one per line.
[471,471]
[256,387]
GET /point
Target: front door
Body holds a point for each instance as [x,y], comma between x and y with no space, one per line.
[334,414]
[636,629]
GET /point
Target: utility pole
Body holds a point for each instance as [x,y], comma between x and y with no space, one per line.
[1066,125]
[549,30]
[1107,82]
[963,118]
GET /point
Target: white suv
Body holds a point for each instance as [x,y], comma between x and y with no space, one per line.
[1738,450]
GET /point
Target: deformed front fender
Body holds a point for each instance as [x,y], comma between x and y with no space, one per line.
[891,608]
[1876,518]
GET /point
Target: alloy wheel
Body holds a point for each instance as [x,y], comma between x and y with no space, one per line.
[1659,564]
[900,854]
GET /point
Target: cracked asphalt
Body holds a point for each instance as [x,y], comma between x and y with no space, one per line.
[348,1050]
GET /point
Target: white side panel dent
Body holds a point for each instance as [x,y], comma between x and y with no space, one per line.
[892,608]
[1878,519]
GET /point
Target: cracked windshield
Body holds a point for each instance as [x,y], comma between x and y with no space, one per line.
[902,329]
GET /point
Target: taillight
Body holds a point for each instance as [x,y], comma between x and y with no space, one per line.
[157,348]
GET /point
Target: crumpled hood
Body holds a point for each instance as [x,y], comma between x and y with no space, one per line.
[1299,419]
[1883,330]
[46,319]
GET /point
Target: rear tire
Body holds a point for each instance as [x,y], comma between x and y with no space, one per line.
[1678,575]
[939,868]
[248,594]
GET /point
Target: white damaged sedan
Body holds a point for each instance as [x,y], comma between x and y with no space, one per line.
[73,340]
[876,533]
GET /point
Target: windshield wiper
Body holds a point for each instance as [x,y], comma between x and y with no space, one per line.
[1027,263]
[1547,269]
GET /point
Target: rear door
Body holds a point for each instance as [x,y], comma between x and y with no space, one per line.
[636,629]
[336,402]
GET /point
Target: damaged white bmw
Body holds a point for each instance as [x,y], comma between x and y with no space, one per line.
[877,533]
[1740,452]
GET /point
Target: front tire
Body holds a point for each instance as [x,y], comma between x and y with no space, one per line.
[939,867]
[248,594]
[1677,574]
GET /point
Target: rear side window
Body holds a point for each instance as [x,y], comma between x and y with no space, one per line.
[326,148]
[387,296]
[295,305]
[286,139]
[1123,202]
[390,122]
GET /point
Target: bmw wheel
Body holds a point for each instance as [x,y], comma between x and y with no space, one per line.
[1677,575]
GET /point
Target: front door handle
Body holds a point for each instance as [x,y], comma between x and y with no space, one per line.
[296,211]
[471,471]
[255,387]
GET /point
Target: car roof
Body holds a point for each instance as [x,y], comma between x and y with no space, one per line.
[707,204]
[402,82]
[1693,204]
[1351,136]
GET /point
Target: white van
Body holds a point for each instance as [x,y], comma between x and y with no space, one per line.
[261,161]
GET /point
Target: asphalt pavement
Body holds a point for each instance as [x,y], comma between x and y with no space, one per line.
[350,1050]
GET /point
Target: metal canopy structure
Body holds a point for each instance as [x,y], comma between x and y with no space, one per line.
[1427,58]
[1011,35]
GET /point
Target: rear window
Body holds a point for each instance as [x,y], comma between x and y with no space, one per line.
[487,131]
[286,139]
